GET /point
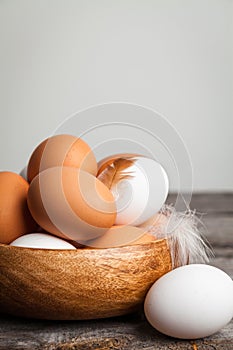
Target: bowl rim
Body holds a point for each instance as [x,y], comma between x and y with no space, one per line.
[82,249]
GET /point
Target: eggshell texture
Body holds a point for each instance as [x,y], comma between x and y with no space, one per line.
[61,150]
[140,189]
[15,218]
[71,203]
[118,236]
[190,302]
[41,241]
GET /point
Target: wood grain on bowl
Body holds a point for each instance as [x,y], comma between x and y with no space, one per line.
[79,284]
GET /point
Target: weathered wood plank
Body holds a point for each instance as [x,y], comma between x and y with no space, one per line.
[216,213]
[218,229]
[209,202]
[132,332]
[223,260]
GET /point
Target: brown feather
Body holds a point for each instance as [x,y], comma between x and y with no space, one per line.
[115,172]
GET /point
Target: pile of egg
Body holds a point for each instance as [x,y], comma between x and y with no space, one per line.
[68,201]
[67,195]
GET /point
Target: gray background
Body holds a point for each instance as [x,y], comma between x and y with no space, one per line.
[176,57]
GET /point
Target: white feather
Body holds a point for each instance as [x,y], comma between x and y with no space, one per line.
[183,232]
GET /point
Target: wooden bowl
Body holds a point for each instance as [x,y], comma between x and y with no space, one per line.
[79,284]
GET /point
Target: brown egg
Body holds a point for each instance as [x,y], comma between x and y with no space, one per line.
[58,150]
[71,203]
[15,218]
[146,238]
[120,235]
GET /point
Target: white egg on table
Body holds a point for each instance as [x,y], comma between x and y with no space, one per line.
[190,302]
[141,189]
[41,241]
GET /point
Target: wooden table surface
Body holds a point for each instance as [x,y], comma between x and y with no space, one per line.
[132,331]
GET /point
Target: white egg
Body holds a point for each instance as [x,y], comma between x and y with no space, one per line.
[142,195]
[41,241]
[190,302]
